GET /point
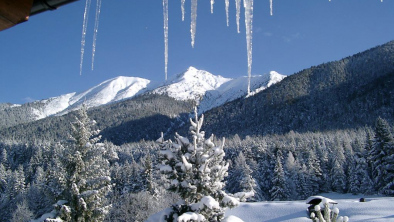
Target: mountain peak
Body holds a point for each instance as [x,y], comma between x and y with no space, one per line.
[191,84]
[206,89]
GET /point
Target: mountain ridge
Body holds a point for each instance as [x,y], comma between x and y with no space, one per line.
[347,94]
[192,84]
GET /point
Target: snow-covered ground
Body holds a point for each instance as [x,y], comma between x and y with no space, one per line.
[374,209]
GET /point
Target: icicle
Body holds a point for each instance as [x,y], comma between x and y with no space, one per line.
[248,4]
[227,6]
[183,9]
[165,14]
[212,2]
[193,24]
[96,23]
[84,27]
[272,7]
[238,11]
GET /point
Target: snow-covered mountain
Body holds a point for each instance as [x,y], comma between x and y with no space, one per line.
[191,84]
[206,89]
[237,88]
[109,91]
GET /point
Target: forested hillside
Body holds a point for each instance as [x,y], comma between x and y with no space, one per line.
[344,94]
[143,117]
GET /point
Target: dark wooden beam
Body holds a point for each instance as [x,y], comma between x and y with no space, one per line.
[13,12]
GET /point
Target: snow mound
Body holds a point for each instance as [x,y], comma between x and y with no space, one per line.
[232,219]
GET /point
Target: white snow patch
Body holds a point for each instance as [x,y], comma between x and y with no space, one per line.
[190,216]
[52,214]
[232,219]
[15,105]
[374,209]
[108,91]
[159,216]
[237,88]
[165,169]
[191,84]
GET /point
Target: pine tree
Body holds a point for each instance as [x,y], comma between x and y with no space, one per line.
[196,170]
[279,189]
[87,173]
[303,184]
[241,177]
[149,183]
[3,181]
[16,184]
[381,155]
[22,213]
[4,159]
[338,177]
[315,174]
[360,182]
[291,168]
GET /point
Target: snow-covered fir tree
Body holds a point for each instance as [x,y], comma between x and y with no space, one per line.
[279,190]
[196,170]
[338,177]
[241,177]
[291,169]
[315,172]
[87,174]
[360,182]
[382,157]
[22,213]
[149,183]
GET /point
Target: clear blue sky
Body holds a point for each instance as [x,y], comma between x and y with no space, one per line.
[40,58]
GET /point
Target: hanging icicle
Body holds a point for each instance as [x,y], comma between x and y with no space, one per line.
[212,2]
[165,15]
[238,12]
[227,3]
[183,9]
[84,27]
[193,24]
[248,4]
[96,24]
[271,8]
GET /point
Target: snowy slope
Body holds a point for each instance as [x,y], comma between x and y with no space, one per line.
[206,89]
[190,85]
[374,209]
[112,90]
[237,88]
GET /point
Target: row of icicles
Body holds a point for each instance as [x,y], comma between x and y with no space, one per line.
[248,5]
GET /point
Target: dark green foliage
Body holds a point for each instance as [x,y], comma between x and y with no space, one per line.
[345,94]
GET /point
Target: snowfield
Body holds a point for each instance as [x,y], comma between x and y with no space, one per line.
[376,208]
